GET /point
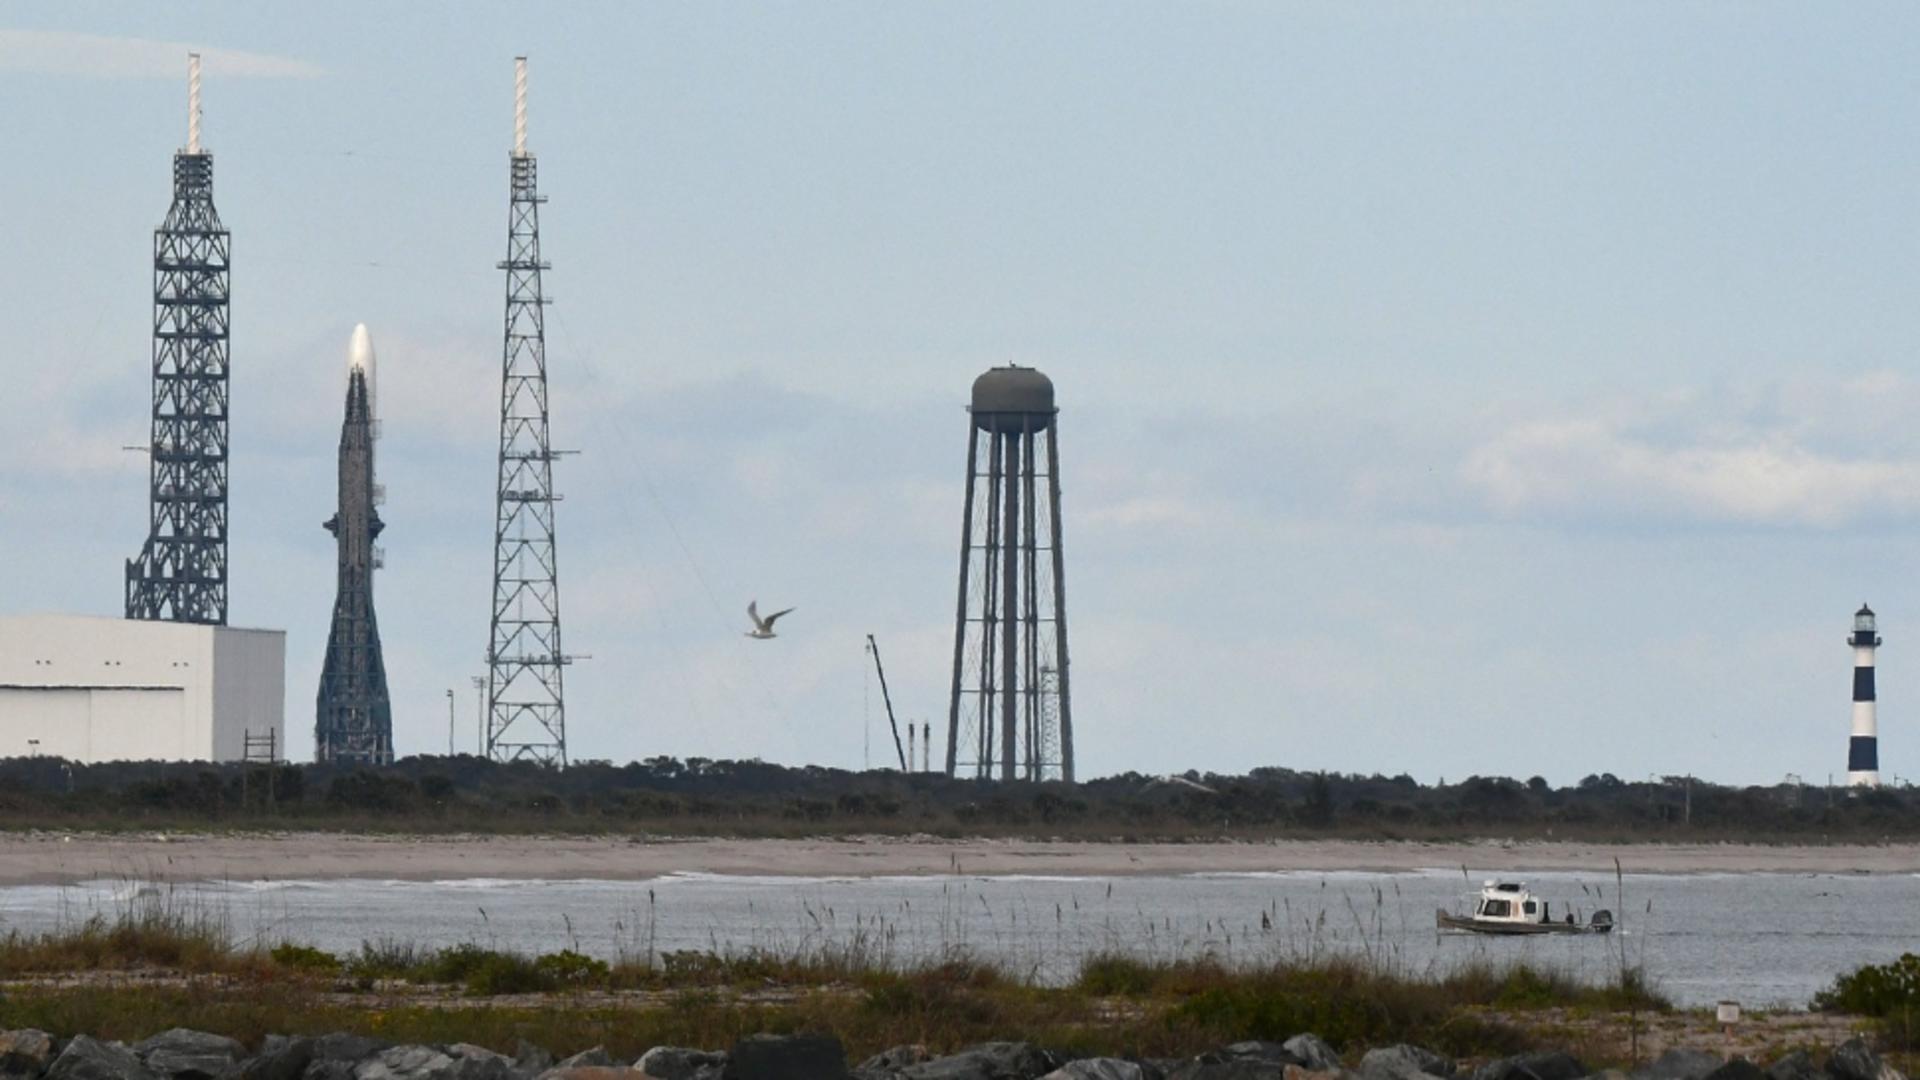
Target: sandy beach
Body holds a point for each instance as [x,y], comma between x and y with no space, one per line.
[53,858]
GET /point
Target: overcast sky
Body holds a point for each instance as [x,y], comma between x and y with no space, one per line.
[1445,388]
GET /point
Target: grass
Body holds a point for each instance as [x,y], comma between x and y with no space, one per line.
[142,936]
[1352,1001]
[567,1001]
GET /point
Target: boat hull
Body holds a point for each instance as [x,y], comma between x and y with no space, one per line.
[1445,920]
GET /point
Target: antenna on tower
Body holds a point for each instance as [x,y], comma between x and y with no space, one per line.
[519,106]
[193,103]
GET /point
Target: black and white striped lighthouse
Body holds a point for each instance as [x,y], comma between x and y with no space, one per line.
[1863,751]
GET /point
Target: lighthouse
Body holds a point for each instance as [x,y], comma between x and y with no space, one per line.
[1863,751]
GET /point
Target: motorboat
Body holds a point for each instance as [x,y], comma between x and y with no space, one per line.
[1507,907]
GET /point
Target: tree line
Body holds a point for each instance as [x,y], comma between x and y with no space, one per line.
[699,796]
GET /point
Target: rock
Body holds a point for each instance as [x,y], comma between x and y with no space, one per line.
[1738,1069]
[280,1058]
[87,1058]
[1103,1069]
[1795,1066]
[1297,1072]
[530,1061]
[681,1063]
[194,1055]
[1552,1065]
[597,1057]
[787,1057]
[592,1073]
[987,1061]
[406,1063]
[1681,1064]
[1260,1050]
[1313,1052]
[889,1062]
[25,1053]
[351,1048]
[1243,1069]
[323,1069]
[1855,1060]
[472,1062]
[1403,1062]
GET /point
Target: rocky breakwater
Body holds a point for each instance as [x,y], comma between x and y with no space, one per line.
[192,1055]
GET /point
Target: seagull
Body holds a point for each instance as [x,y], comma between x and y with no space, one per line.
[762,628]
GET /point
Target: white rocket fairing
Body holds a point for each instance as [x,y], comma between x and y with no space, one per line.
[360,358]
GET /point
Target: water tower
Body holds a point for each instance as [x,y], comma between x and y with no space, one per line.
[1011,710]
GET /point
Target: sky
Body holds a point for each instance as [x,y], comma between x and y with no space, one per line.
[1447,389]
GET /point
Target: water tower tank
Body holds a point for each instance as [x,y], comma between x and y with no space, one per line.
[1013,399]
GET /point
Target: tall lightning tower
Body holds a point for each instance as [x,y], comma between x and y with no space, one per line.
[1863,748]
[526,709]
[353,721]
[1010,714]
[180,574]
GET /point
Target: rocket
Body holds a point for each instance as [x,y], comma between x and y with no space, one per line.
[353,719]
[360,358]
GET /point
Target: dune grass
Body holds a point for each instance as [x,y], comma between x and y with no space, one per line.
[156,966]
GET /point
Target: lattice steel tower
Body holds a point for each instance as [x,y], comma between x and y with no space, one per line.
[181,572]
[526,709]
[1011,710]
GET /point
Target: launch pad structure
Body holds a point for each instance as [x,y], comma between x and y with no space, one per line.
[526,703]
[180,574]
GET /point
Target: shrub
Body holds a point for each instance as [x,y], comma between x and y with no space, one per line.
[504,973]
[569,968]
[385,959]
[1108,974]
[305,958]
[1879,990]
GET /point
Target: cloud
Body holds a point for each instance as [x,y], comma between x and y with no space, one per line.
[98,56]
[1792,456]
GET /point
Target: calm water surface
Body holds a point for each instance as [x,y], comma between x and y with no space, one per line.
[1756,938]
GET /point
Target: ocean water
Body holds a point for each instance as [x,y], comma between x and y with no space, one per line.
[1760,939]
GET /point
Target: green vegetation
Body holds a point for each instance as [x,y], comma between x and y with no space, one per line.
[699,797]
[147,936]
[1350,1001]
[1882,991]
[190,976]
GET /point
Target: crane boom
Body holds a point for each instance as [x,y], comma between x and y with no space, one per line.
[874,648]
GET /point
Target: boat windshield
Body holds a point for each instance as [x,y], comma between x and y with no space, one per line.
[1496,909]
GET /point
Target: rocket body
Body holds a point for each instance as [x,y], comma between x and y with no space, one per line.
[354,723]
[1863,748]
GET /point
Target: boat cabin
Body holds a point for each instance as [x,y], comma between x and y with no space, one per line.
[1509,901]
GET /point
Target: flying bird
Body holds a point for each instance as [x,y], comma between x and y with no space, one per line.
[762,628]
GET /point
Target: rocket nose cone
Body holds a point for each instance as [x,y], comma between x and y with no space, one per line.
[360,349]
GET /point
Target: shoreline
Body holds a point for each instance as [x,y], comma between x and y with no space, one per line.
[47,858]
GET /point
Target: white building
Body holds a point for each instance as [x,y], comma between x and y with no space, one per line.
[96,689]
